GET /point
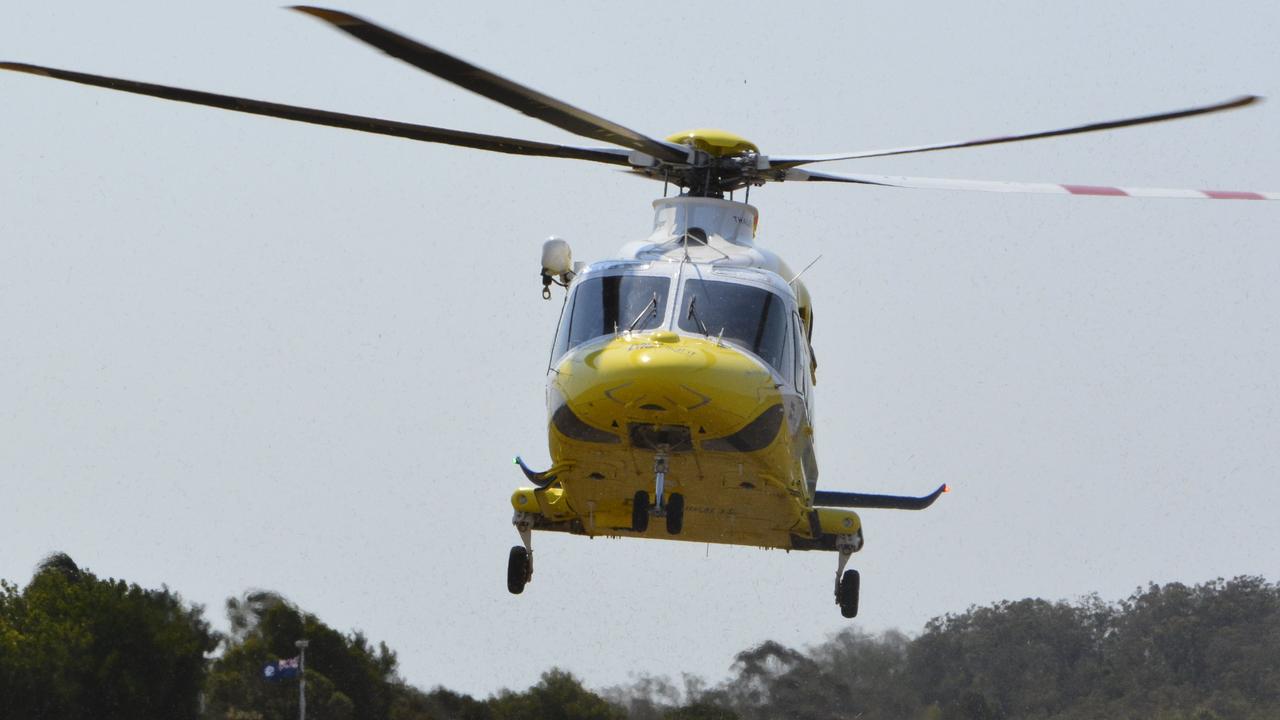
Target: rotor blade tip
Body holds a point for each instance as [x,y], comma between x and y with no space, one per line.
[334,17]
[23,67]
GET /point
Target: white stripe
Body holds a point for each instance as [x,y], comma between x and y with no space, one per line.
[1165,193]
[1015,187]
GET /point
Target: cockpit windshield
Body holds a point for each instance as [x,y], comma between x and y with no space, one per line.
[748,316]
[604,305]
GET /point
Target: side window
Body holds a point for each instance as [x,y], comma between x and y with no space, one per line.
[786,367]
[801,356]
[561,343]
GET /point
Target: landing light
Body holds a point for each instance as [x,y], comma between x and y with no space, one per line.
[557,258]
[557,265]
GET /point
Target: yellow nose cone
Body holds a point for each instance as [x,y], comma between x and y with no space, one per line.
[717,143]
[663,376]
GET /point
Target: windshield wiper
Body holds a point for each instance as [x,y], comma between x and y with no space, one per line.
[650,308]
[694,316]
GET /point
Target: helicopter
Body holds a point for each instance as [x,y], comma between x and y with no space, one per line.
[680,385]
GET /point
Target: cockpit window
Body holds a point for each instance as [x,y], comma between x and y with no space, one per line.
[603,305]
[749,316]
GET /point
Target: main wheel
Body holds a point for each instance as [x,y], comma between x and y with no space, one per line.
[675,514]
[517,569]
[848,595]
[640,512]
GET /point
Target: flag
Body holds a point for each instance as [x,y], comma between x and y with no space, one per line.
[283,668]
[287,668]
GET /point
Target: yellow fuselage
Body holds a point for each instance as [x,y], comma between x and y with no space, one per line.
[736,434]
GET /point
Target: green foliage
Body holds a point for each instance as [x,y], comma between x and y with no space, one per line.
[557,696]
[1029,658]
[346,676]
[440,704]
[701,711]
[74,646]
[1207,652]
[852,675]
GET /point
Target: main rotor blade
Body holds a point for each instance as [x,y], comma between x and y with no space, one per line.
[495,87]
[1242,101]
[424,133]
[1025,187]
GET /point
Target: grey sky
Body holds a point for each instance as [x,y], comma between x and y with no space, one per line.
[240,352]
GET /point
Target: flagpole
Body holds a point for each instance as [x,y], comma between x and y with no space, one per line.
[302,679]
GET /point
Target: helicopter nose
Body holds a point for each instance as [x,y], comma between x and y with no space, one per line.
[658,388]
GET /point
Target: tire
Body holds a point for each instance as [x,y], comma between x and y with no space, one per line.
[517,569]
[849,587]
[675,514]
[640,512]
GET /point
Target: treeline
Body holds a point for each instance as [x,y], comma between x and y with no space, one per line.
[77,647]
[1165,653]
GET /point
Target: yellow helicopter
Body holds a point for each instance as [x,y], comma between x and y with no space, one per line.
[680,386]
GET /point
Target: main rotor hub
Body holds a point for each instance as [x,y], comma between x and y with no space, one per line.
[716,143]
[719,162]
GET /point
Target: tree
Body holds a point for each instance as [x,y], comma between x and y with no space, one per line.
[1214,646]
[1171,652]
[347,677]
[557,696]
[74,646]
[702,710]
[440,704]
[1029,658]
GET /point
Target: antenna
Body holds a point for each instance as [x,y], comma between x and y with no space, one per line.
[805,270]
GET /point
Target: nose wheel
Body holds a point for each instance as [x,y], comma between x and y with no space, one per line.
[675,514]
[640,512]
[672,512]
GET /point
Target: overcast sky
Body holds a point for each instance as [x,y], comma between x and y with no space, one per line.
[241,353]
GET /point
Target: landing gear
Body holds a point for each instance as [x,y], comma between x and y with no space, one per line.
[846,593]
[675,514]
[659,479]
[848,582]
[518,569]
[673,510]
[520,559]
[640,512]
